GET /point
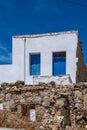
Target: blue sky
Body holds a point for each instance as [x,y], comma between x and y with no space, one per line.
[40,16]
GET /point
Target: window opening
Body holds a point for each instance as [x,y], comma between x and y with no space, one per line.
[34,64]
[59,63]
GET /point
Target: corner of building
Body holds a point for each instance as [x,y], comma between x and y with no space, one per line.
[81,67]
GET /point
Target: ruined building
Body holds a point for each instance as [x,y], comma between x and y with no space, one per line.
[44,58]
[43,106]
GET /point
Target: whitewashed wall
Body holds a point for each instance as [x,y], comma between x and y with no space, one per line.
[64,79]
[44,44]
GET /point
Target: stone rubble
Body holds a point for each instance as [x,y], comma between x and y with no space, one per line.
[56,107]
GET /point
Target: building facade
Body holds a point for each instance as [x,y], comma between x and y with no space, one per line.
[44,58]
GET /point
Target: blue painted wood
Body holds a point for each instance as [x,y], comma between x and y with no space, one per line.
[35,64]
[59,66]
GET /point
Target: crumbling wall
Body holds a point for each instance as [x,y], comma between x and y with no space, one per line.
[44,106]
[81,75]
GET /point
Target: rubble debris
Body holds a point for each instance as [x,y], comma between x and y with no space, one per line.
[44,106]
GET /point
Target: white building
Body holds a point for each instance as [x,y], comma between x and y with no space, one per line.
[44,58]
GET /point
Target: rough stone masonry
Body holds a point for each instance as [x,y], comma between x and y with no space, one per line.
[43,106]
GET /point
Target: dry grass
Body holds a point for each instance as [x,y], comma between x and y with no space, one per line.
[12,121]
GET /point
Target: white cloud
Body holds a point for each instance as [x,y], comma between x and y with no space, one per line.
[3,48]
[6,58]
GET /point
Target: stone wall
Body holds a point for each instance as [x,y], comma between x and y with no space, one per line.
[81,74]
[44,106]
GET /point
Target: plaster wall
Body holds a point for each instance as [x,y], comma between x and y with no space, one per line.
[15,71]
[7,73]
[64,79]
[18,57]
[46,45]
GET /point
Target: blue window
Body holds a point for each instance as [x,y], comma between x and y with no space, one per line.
[59,63]
[34,64]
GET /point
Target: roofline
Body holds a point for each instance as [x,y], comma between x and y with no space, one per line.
[45,34]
